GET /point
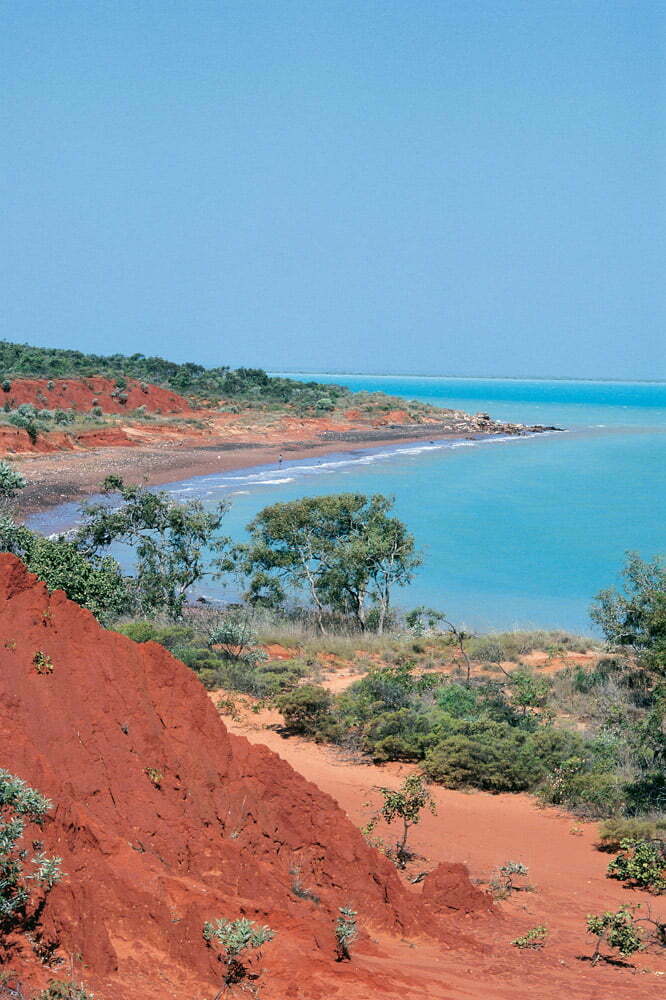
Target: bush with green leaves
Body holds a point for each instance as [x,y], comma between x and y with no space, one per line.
[21,807]
[305,709]
[503,883]
[617,930]
[528,691]
[234,938]
[405,804]
[588,790]
[490,756]
[169,541]
[236,638]
[170,636]
[11,481]
[459,701]
[262,679]
[534,939]
[628,619]
[26,423]
[94,582]
[640,863]
[404,735]
[346,931]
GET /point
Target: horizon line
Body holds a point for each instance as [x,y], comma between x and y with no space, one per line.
[488,378]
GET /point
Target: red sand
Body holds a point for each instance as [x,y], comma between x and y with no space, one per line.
[231,823]
[222,836]
[482,831]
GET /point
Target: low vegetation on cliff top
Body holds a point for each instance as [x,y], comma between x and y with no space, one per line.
[234,389]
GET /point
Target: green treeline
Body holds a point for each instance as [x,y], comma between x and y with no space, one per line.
[25,361]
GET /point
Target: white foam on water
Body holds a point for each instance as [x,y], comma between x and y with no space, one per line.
[344,464]
[276,482]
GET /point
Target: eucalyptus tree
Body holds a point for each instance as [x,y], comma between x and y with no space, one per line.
[344,553]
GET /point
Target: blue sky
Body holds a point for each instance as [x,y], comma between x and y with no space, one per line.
[430,187]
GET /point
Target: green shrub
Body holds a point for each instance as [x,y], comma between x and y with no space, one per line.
[591,793]
[618,930]
[236,937]
[640,863]
[647,793]
[533,939]
[141,631]
[21,806]
[400,735]
[489,650]
[459,702]
[346,931]
[26,423]
[305,708]
[503,883]
[11,481]
[265,679]
[503,762]
[235,637]
[406,805]
[553,746]
[95,583]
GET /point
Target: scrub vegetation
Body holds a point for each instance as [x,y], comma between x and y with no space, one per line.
[235,388]
[320,577]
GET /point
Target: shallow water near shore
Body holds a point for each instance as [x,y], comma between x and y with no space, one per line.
[515,532]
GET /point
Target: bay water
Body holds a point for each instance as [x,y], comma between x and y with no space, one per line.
[516,532]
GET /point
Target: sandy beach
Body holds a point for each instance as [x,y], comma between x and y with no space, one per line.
[59,477]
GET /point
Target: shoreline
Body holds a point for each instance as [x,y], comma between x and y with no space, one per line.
[63,477]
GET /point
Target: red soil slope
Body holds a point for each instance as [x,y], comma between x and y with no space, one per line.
[222,836]
[83,393]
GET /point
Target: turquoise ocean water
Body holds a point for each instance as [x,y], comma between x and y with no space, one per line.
[515,532]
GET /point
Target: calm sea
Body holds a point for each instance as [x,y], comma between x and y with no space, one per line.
[519,532]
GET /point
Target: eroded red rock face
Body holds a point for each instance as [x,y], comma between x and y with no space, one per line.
[230,830]
[83,393]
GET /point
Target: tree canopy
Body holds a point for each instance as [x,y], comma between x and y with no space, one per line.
[344,552]
[169,541]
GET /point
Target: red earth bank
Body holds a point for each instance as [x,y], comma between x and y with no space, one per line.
[83,393]
[228,832]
